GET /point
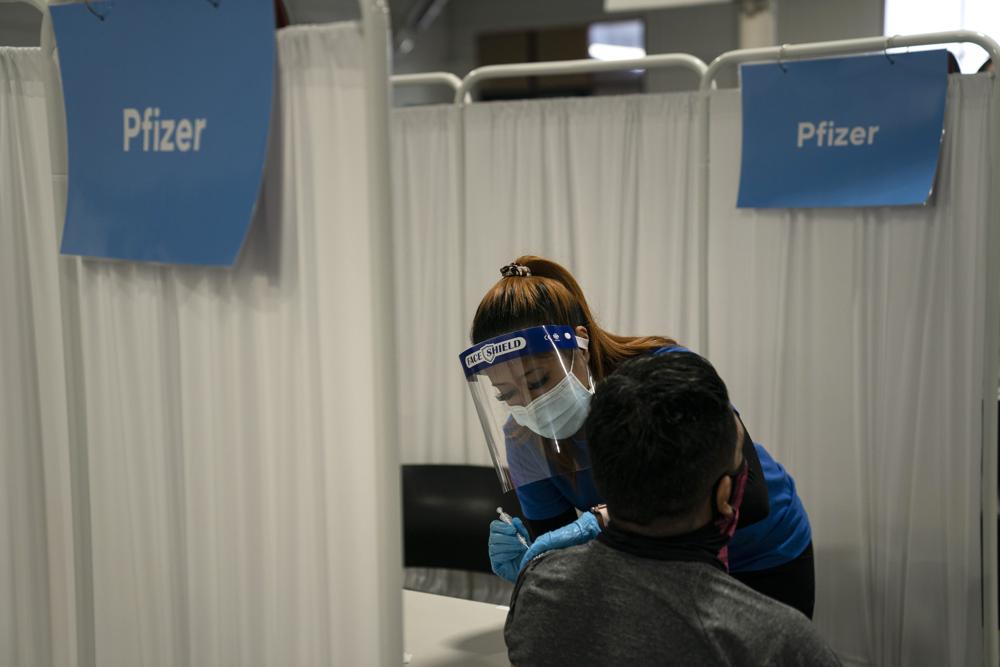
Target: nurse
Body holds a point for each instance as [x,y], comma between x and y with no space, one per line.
[537,353]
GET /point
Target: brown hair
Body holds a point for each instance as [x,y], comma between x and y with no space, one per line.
[551,295]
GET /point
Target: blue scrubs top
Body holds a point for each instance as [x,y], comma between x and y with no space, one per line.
[778,539]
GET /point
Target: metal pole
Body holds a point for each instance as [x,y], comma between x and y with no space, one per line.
[427,78]
[989,510]
[476,76]
[703,155]
[388,531]
[846,47]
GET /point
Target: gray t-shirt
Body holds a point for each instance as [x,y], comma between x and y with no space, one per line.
[596,605]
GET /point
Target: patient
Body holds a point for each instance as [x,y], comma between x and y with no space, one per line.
[651,590]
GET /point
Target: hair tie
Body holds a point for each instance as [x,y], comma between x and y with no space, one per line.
[512,270]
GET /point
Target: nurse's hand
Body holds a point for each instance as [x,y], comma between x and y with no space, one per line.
[506,551]
[583,530]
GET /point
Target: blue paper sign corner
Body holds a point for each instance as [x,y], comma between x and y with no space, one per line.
[842,132]
[168,108]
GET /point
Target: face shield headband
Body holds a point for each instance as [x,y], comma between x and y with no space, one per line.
[532,390]
[526,342]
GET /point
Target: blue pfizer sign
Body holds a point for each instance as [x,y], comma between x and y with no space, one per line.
[859,131]
[168,106]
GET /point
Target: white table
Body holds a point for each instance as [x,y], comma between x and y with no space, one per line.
[440,631]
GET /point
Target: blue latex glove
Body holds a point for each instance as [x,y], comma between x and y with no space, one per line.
[584,529]
[506,551]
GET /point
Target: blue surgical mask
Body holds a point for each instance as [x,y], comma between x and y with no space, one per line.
[559,412]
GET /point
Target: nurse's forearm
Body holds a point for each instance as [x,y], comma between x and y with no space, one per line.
[538,527]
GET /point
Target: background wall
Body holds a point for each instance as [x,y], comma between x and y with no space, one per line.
[19,25]
[820,20]
[704,31]
[449,43]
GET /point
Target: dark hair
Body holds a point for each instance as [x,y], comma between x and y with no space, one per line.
[953,67]
[281,19]
[661,432]
[986,66]
[551,295]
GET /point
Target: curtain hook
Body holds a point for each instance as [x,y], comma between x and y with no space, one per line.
[93,11]
[888,45]
[781,55]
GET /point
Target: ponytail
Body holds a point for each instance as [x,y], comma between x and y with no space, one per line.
[535,291]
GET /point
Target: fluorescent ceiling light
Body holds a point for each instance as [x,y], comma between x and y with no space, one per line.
[600,51]
[908,17]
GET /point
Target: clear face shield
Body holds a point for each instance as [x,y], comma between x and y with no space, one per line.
[532,392]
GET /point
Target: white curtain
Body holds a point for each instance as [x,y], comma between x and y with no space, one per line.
[191,482]
[231,414]
[853,340]
[600,184]
[223,502]
[428,254]
[434,409]
[37,586]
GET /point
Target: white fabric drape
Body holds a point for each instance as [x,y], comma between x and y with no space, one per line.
[37,615]
[602,185]
[230,414]
[222,498]
[434,409]
[190,482]
[428,237]
[853,342]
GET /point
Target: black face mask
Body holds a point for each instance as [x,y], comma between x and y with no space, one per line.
[726,526]
[701,546]
[707,544]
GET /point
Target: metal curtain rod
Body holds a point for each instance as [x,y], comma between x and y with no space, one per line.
[427,78]
[480,74]
[846,47]
[386,611]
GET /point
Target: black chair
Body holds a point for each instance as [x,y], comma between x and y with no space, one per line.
[447,511]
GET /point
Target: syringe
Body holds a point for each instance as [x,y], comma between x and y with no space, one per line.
[506,518]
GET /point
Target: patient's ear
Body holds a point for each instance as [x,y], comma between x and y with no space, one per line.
[722,495]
